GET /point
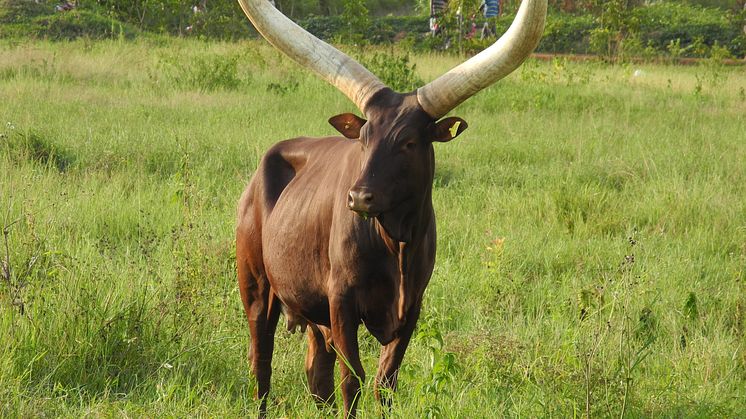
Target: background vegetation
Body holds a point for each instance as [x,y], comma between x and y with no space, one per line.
[592,235]
[616,30]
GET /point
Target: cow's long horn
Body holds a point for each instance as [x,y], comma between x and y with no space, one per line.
[441,95]
[347,75]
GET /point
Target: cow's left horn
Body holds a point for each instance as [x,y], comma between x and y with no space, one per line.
[446,92]
[346,74]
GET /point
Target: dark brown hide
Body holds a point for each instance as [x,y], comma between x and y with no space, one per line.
[298,241]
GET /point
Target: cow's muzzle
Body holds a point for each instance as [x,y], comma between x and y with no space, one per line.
[362,201]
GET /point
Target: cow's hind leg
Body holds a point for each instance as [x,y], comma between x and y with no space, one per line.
[320,368]
[262,316]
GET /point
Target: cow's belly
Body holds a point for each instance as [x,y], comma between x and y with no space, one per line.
[296,261]
[299,270]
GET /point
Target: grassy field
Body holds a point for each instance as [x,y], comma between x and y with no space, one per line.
[592,237]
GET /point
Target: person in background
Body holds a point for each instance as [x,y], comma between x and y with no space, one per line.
[491,10]
[472,31]
[201,7]
[437,7]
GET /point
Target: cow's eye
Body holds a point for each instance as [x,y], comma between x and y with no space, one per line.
[411,145]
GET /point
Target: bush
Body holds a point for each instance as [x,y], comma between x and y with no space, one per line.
[81,23]
[161,16]
[323,27]
[655,28]
[382,30]
[219,24]
[661,24]
[202,72]
[661,28]
[22,11]
[567,33]
[395,71]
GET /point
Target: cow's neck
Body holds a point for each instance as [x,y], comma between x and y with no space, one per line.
[410,228]
[403,234]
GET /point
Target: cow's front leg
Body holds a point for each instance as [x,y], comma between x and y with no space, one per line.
[345,322]
[392,356]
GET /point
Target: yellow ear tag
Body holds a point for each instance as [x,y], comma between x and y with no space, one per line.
[454,128]
[347,126]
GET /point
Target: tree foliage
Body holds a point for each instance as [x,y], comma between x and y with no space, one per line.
[613,28]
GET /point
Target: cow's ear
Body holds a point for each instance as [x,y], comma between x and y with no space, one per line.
[348,124]
[448,129]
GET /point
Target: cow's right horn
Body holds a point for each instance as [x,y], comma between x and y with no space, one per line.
[346,74]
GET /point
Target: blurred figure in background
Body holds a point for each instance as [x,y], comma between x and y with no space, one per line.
[65,6]
[437,7]
[491,10]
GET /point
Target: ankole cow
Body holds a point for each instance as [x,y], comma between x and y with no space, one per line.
[339,231]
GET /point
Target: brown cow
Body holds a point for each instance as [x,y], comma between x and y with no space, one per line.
[340,231]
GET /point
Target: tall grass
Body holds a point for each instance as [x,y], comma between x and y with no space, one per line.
[592,237]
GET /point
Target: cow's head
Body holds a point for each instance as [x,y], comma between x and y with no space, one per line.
[397,167]
[398,129]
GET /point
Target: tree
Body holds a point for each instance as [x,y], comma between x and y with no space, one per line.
[615,23]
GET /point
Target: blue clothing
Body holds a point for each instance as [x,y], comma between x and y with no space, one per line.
[491,8]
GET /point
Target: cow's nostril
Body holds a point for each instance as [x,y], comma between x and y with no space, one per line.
[359,200]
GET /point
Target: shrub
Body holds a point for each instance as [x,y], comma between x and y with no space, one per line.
[566,33]
[203,72]
[162,16]
[25,18]
[323,27]
[662,24]
[661,28]
[81,23]
[395,71]
[357,21]
[22,11]
[16,17]
[381,30]
[221,21]
[220,27]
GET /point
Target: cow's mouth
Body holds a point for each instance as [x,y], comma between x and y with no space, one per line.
[392,210]
[365,215]
[379,214]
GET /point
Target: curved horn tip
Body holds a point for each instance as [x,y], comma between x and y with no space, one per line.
[446,92]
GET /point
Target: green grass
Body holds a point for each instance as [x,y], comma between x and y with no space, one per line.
[592,237]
